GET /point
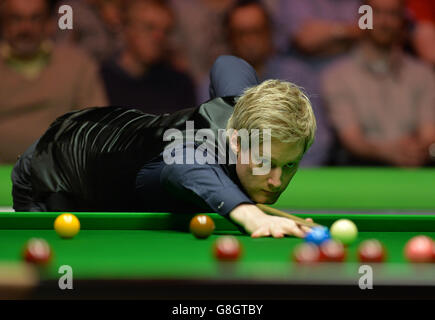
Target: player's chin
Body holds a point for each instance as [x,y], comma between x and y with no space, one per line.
[270,199]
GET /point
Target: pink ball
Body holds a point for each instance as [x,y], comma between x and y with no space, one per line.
[420,249]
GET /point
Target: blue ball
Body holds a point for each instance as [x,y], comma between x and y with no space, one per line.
[318,235]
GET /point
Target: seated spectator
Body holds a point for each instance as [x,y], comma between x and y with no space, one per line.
[141,76]
[39,80]
[250,37]
[96,29]
[423,35]
[318,28]
[199,36]
[381,101]
[317,32]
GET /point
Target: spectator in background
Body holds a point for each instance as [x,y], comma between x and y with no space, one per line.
[250,36]
[200,37]
[141,76]
[316,32]
[319,29]
[423,35]
[39,81]
[381,101]
[96,29]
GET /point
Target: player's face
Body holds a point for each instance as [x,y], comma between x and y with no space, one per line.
[148,31]
[388,20]
[267,188]
[25,25]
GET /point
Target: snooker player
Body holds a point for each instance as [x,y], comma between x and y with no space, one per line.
[111,158]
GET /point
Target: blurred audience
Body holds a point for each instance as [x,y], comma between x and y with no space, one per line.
[318,28]
[382,101]
[317,32]
[142,76]
[374,104]
[250,36]
[96,28]
[200,38]
[38,80]
[423,35]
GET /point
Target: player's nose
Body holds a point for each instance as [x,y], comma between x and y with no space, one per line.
[274,180]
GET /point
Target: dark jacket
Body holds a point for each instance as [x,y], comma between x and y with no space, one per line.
[90,158]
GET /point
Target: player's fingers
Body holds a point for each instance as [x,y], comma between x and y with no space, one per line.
[305,229]
[297,232]
[261,232]
[292,229]
[277,232]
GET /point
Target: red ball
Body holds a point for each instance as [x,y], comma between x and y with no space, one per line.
[420,249]
[306,253]
[332,251]
[37,251]
[371,251]
[227,248]
[201,226]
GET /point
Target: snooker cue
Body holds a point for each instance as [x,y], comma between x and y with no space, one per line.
[280,213]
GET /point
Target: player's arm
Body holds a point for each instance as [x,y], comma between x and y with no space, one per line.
[205,185]
[210,187]
[259,224]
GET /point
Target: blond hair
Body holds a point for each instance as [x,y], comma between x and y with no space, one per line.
[279,106]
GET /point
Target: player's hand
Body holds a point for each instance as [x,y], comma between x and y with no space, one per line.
[259,224]
[279,227]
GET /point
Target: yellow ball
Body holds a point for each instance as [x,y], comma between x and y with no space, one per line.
[67,225]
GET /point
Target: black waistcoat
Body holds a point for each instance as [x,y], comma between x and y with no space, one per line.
[91,157]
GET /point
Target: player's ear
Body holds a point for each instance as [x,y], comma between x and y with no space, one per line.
[234,141]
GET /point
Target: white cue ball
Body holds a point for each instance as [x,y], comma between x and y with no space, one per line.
[344,230]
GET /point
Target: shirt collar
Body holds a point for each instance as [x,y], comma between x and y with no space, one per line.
[389,64]
[31,68]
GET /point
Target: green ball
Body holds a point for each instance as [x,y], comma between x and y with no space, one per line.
[344,230]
